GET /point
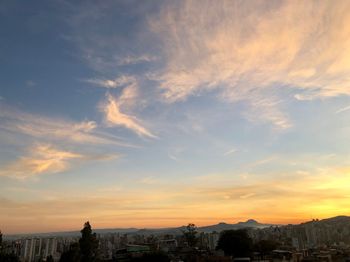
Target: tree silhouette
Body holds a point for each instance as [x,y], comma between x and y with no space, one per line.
[8,258]
[265,247]
[86,250]
[235,243]
[190,235]
[4,257]
[72,254]
[88,244]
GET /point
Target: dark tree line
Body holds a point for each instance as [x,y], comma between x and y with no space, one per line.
[5,257]
[237,243]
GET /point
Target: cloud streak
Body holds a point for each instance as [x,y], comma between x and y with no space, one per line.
[343,109]
[41,159]
[131,60]
[114,117]
[54,129]
[121,81]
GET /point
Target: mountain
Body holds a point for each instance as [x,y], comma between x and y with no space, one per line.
[335,220]
[250,223]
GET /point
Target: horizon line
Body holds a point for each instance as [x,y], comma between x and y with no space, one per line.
[171,227]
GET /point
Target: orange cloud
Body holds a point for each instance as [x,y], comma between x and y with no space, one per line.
[42,159]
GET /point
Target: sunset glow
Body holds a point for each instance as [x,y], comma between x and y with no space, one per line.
[164,113]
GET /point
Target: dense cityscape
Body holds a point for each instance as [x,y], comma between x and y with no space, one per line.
[316,240]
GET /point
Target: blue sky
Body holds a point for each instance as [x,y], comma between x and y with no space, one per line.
[155,113]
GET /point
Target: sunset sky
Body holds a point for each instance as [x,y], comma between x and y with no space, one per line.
[161,113]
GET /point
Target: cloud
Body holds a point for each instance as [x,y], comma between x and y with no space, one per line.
[31,83]
[248,50]
[41,159]
[54,129]
[121,81]
[343,109]
[114,117]
[131,60]
[130,97]
[266,110]
[231,151]
[149,180]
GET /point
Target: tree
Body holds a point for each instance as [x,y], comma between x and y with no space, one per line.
[265,247]
[190,235]
[88,244]
[235,243]
[72,254]
[6,257]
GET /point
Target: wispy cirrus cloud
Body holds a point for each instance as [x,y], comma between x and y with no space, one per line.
[114,117]
[40,159]
[230,152]
[253,52]
[131,60]
[44,158]
[124,80]
[342,109]
[250,51]
[42,127]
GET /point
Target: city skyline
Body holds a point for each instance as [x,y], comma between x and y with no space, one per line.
[162,113]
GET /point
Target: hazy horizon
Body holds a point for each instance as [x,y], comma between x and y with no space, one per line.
[159,228]
[163,113]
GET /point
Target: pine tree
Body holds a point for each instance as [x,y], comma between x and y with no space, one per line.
[88,244]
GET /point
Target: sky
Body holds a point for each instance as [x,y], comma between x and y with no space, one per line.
[164,113]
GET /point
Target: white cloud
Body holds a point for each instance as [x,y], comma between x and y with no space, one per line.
[114,117]
[230,152]
[249,50]
[131,60]
[343,109]
[121,81]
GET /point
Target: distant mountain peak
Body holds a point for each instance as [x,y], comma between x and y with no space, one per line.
[252,221]
[249,221]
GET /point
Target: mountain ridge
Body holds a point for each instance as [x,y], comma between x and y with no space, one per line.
[221,226]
